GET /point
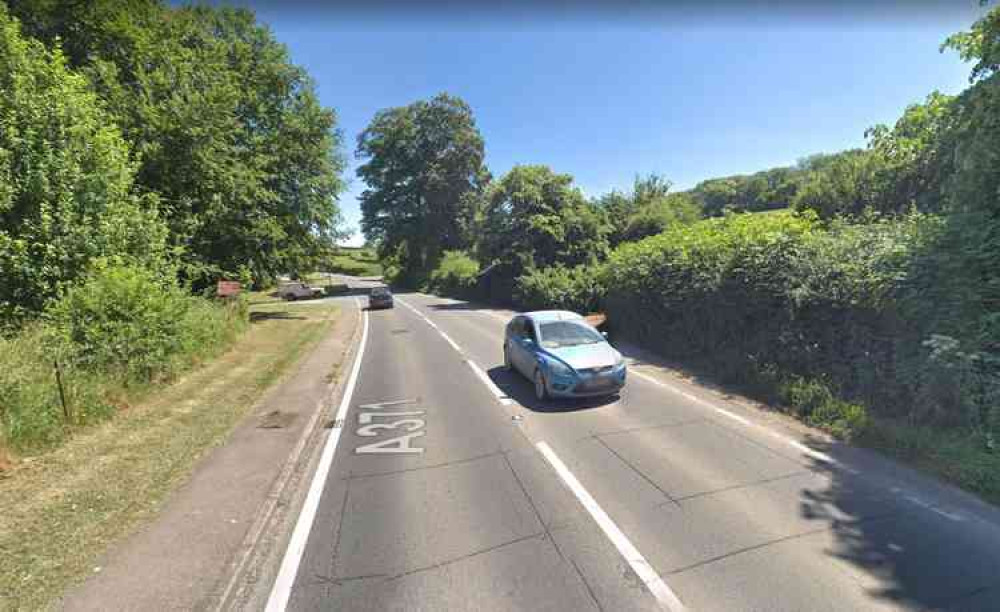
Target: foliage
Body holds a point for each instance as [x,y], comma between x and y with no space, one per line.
[122,326]
[226,131]
[660,214]
[767,190]
[578,289]
[621,208]
[424,174]
[455,274]
[65,180]
[125,321]
[536,218]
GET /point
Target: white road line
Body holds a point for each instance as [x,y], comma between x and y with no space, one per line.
[664,595]
[483,376]
[495,390]
[815,454]
[282,588]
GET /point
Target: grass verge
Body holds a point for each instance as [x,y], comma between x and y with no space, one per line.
[63,508]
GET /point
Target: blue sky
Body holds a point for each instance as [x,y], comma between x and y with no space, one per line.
[603,99]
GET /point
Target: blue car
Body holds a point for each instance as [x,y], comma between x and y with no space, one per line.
[563,355]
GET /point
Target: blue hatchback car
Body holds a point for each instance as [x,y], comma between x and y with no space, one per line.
[563,355]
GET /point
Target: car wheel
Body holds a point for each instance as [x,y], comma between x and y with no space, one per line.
[541,392]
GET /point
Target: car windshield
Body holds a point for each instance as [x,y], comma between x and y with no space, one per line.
[380,292]
[556,334]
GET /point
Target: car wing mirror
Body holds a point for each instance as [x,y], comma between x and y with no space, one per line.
[605,334]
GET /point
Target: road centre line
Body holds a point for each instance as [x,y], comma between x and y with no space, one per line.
[667,599]
[480,373]
[282,589]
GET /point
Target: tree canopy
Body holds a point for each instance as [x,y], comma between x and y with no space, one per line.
[225,130]
[66,180]
[424,173]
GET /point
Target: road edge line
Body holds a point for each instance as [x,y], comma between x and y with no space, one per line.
[667,599]
[281,590]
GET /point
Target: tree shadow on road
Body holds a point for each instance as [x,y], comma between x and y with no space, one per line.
[914,542]
[522,391]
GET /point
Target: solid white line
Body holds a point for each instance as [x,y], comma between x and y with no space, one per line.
[663,594]
[483,376]
[282,588]
[815,454]
[495,390]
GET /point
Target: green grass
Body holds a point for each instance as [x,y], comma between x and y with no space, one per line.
[63,508]
[355,262]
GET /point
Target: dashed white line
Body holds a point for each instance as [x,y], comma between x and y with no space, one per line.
[282,589]
[480,373]
[667,599]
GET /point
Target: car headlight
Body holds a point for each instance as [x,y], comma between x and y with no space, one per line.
[558,368]
[620,362]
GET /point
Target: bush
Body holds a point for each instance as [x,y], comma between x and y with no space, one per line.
[786,294]
[578,289]
[130,321]
[455,275]
[122,325]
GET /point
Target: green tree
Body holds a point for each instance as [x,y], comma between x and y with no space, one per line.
[620,207]
[65,180]
[536,218]
[226,130]
[914,156]
[660,214]
[844,183]
[424,174]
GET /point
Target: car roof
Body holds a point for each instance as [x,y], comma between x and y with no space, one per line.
[541,316]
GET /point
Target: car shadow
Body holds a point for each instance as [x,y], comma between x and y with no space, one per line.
[522,391]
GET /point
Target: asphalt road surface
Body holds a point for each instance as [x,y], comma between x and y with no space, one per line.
[451,488]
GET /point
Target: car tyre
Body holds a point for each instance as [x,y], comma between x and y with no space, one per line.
[541,391]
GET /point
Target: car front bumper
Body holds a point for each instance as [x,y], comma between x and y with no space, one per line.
[592,385]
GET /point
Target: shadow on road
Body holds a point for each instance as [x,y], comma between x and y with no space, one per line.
[522,391]
[916,549]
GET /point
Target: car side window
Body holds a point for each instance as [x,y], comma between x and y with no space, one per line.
[529,330]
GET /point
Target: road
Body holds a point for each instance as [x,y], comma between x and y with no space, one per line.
[449,487]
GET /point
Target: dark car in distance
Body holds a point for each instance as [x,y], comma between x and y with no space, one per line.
[380,297]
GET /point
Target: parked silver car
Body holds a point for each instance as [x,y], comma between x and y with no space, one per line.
[563,355]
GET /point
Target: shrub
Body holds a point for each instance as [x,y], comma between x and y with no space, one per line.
[125,320]
[578,289]
[122,325]
[454,275]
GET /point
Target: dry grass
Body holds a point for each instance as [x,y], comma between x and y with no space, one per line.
[63,508]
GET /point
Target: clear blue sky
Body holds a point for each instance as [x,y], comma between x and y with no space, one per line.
[690,96]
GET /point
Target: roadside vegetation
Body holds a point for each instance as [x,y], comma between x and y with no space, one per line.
[856,290]
[361,261]
[64,507]
[136,137]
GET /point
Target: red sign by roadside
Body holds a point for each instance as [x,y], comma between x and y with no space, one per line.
[228,288]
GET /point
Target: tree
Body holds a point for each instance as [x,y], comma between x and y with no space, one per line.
[844,183]
[620,207]
[227,132]
[914,157]
[424,174]
[65,180]
[536,218]
[661,214]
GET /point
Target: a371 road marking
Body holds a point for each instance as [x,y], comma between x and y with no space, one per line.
[370,427]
